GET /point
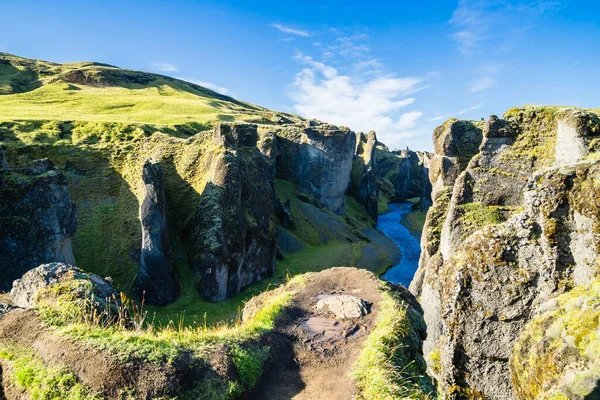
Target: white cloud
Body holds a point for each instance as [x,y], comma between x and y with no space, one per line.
[476,21]
[486,80]
[208,85]
[164,67]
[466,110]
[291,31]
[439,118]
[322,92]
[481,84]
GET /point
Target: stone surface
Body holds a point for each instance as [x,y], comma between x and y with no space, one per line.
[156,281]
[505,237]
[233,235]
[318,159]
[38,220]
[24,290]
[343,306]
[407,172]
[363,184]
[42,166]
[284,214]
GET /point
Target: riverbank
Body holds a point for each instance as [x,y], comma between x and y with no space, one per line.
[414,220]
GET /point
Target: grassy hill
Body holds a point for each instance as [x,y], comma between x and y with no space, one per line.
[87,91]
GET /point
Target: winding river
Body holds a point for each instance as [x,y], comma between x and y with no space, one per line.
[407,240]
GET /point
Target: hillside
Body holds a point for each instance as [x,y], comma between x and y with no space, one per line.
[98,125]
[88,91]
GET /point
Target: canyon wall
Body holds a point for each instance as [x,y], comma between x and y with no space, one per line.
[38,219]
[404,174]
[513,225]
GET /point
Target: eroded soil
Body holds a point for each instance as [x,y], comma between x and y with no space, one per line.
[313,353]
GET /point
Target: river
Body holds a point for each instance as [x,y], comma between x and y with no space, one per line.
[407,240]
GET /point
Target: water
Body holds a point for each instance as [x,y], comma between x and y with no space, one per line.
[407,240]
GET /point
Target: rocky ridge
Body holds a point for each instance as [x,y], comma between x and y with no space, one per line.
[512,226]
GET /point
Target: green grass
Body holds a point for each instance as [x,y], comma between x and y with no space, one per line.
[383,369]
[39,90]
[40,381]
[164,103]
[414,220]
[166,344]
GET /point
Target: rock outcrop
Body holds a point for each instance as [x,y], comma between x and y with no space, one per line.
[318,159]
[507,233]
[363,184]
[156,281]
[32,289]
[38,220]
[404,174]
[233,236]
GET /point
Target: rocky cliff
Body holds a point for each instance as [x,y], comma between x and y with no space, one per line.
[513,225]
[404,174]
[156,281]
[234,233]
[37,219]
[363,184]
[318,159]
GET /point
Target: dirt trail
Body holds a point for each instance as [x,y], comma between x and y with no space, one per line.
[312,355]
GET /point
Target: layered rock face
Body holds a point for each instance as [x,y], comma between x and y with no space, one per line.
[156,281]
[512,226]
[233,240]
[37,220]
[404,174]
[318,159]
[363,185]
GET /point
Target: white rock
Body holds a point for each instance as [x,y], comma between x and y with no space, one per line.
[343,306]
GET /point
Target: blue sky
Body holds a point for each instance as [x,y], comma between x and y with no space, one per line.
[399,67]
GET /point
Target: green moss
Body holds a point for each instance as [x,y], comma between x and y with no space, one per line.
[414,220]
[383,204]
[436,217]
[248,363]
[40,381]
[384,370]
[561,339]
[435,361]
[478,215]
[537,139]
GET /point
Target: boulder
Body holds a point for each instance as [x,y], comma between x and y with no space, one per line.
[156,281]
[343,306]
[85,286]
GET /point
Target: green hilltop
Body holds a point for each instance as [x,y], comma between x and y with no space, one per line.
[89,91]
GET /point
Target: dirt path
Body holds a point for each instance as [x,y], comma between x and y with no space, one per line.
[313,354]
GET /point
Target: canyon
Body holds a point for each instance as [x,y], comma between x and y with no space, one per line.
[245,211]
